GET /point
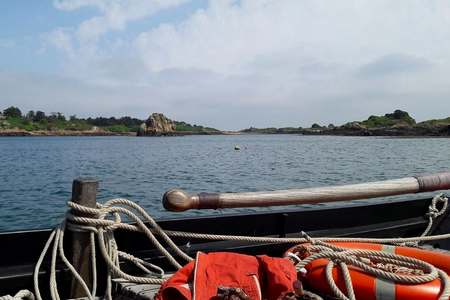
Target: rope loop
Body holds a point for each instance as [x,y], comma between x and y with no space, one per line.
[433,211]
[102,221]
[388,266]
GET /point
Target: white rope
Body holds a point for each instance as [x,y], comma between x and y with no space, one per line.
[434,212]
[99,225]
[57,237]
[363,259]
[21,295]
[102,221]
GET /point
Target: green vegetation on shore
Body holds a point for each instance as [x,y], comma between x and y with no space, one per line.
[397,118]
[14,122]
[186,127]
[272,130]
[398,123]
[12,118]
[435,122]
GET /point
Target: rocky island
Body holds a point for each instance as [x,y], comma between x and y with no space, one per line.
[398,123]
[157,125]
[38,123]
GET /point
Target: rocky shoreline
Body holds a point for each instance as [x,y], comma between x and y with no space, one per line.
[436,131]
[378,132]
[19,133]
[397,124]
[14,123]
[443,131]
[382,132]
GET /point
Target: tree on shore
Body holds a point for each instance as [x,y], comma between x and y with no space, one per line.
[30,115]
[39,116]
[12,117]
[12,112]
[56,116]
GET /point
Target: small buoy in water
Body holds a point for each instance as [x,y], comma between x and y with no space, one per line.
[236,147]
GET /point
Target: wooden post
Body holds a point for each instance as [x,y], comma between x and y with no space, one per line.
[84,192]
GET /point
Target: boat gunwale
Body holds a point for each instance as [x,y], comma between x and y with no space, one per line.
[266,212]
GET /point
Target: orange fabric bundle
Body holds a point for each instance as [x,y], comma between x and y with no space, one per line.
[260,277]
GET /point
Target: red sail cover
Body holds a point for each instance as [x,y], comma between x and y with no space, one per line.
[261,277]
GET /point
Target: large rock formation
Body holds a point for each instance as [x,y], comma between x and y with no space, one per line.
[157,124]
[353,126]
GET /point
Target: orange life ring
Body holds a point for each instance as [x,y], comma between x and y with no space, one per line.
[368,287]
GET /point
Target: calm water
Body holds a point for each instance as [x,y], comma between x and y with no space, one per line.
[36,173]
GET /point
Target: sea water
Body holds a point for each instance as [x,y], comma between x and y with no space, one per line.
[36,173]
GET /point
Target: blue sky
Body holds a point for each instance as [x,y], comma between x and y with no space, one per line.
[24,24]
[226,63]
[20,34]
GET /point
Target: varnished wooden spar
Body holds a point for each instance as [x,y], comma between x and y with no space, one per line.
[178,200]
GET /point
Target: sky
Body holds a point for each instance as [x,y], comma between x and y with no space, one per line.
[227,64]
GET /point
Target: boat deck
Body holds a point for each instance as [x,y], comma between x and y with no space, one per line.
[352,219]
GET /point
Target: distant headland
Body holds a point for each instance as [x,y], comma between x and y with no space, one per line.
[37,123]
[398,123]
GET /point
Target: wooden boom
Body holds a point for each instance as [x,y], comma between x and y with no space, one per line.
[178,200]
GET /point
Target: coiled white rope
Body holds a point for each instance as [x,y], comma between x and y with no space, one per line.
[98,224]
[103,220]
[362,259]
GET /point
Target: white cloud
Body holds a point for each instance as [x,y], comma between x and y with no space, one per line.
[7,43]
[233,36]
[289,60]
[114,14]
[393,64]
[62,40]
